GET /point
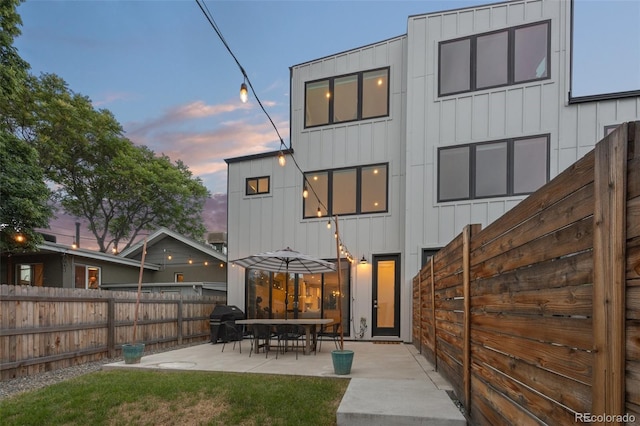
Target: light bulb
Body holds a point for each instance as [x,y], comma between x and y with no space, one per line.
[244,94]
[281,160]
[305,192]
[319,212]
[328,224]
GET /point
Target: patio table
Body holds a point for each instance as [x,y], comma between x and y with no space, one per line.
[309,325]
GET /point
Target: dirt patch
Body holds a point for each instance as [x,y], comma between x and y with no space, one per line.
[181,412]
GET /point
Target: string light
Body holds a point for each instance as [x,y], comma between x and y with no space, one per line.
[244,94]
[319,212]
[305,192]
[328,224]
[281,160]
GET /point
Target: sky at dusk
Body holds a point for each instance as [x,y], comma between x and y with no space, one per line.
[160,68]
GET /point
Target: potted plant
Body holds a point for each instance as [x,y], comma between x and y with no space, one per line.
[132,352]
[342,358]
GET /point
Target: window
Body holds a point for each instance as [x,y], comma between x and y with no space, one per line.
[30,274]
[257,185]
[178,277]
[276,295]
[500,58]
[493,169]
[346,98]
[87,277]
[354,190]
[609,129]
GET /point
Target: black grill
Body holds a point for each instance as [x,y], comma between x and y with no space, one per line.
[218,316]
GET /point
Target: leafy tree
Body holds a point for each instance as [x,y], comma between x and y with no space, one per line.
[23,194]
[99,175]
[120,188]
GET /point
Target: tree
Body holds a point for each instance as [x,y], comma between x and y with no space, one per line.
[120,188]
[23,194]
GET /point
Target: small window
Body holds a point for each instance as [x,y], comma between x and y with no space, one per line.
[609,129]
[258,185]
[179,277]
[30,274]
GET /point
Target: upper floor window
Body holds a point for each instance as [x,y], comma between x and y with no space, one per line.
[355,190]
[501,58]
[257,185]
[494,169]
[345,98]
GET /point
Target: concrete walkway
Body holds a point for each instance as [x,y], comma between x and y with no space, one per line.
[391,384]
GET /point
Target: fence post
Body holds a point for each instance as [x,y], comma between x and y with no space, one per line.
[466,349]
[111,327]
[609,243]
[433,317]
[180,306]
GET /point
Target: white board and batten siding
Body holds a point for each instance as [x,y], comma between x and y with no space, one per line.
[275,220]
[419,123]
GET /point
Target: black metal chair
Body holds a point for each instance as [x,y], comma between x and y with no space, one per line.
[232,333]
[261,332]
[288,333]
[329,331]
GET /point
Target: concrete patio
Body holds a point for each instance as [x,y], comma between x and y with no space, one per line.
[391,383]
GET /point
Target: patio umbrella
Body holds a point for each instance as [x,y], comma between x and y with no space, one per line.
[287,261]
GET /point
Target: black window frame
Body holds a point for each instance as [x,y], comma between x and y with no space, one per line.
[359,117]
[329,207]
[257,179]
[510,59]
[510,167]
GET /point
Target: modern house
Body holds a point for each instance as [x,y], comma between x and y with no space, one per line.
[173,264]
[406,141]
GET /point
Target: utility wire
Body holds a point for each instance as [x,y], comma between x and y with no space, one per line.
[307,184]
[207,14]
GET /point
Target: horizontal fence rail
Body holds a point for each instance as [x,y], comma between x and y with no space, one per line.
[536,318]
[44,328]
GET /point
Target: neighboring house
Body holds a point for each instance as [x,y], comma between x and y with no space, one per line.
[173,263]
[408,140]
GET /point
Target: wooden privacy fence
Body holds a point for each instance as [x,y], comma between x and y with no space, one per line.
[536,318]
[43,328]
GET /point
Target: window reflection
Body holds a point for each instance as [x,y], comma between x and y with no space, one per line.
[306,295]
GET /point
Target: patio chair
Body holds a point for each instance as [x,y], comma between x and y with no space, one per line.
[261,332]
[329,331]
[288,333]
[232,333]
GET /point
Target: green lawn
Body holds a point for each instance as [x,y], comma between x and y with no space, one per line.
[126,397]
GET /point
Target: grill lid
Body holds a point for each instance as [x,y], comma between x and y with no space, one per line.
[226,312]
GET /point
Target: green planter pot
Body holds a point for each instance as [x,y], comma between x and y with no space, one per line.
[132,352]
[342,361]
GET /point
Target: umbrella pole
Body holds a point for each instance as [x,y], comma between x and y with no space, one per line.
[339,286]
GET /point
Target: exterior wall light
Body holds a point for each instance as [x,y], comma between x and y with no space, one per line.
[363,261]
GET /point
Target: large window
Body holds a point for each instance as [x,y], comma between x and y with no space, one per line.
[278,295]
[493,169]
[347,98]
[511,56]
[355,190]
